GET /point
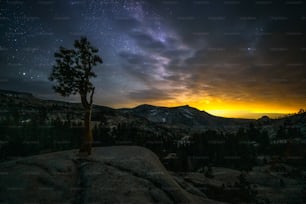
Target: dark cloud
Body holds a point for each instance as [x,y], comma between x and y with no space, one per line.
[257,74]
[175,53]
[149,95]
[139,67]
[146,41]
[137,59]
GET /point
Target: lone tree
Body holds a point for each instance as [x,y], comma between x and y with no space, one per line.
[72,72]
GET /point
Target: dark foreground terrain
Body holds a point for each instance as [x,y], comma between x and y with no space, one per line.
[122,174]
[131,174]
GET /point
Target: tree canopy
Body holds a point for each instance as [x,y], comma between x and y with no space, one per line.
[73,69]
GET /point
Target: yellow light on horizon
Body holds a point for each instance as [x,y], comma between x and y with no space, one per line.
[229,108]
[236,109]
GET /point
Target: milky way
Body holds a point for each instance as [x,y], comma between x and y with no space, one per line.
[225,56]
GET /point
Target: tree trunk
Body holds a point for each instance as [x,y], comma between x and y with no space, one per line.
[87,139]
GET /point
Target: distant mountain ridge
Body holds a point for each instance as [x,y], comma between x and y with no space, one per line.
[181,116]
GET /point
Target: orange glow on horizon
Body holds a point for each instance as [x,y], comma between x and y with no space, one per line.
[231,108]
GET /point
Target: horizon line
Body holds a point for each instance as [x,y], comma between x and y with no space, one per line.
[236,114]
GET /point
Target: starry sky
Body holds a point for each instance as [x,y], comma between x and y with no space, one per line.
[229,58]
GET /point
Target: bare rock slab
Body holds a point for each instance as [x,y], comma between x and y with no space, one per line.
[118,174]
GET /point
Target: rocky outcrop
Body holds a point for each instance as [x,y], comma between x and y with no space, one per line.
[119,174]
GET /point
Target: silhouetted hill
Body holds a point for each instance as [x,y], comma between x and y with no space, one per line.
[182,116]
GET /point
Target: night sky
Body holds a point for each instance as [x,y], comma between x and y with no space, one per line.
[229,58]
